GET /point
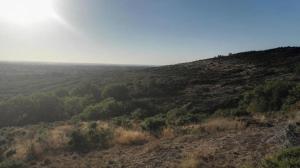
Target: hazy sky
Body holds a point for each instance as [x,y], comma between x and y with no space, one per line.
[149,31]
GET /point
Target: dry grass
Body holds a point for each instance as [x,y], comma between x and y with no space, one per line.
[168,133]
[195,159]
[58,137]
[130,137]
[215,125]
[36,143]
[222,124]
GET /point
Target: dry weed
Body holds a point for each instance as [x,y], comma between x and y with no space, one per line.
[130,137]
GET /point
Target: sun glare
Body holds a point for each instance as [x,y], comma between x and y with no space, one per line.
[26,12]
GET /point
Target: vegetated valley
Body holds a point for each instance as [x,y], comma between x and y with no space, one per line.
[240,110]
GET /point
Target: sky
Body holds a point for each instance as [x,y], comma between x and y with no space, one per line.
[147,32]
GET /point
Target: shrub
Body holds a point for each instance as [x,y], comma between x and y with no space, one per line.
[78,142]
[288,158]
[294,96]
[17,111]
[138,114]
[297,69]
[117,91]
[23,110]
[48,107]
[181,116]
[94,138]
[122,121]
[107,109]
[12,164]
[154,124]
[266,98]
[232,112]
[87,90]
[143,108]
[75,105]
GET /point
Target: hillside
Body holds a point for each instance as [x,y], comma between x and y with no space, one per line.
[228,111]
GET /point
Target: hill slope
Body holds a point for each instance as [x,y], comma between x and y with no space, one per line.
[153,117]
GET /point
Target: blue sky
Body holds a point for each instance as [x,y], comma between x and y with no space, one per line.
[155,32]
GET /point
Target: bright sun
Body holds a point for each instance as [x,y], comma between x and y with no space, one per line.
[26,12]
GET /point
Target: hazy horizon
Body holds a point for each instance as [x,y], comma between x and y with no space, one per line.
[135,32]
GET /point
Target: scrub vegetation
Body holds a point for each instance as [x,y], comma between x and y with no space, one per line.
[169,113]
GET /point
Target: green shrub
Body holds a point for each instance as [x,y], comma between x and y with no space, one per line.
[142,108]
[138,114]
[12,164]
[78,142]
[107,109]
[122,121]
[294,96]
[75,105]
[87,90]
[266,98]
[93,138]
[98,138]
[48,108]
[181,116]
[154,124]
[231,112]
[288,158]
[23,110]
[116,91]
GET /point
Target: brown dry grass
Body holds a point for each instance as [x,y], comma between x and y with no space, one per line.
[195,159]
[168,133]
[34,144]
[130,137]
[222,124]
[215,125]
[58,137]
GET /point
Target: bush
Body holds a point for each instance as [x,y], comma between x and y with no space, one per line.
[12,164]
[232,112]
[116,91]
[294,96]
[266,98]
[87,90]
[297,69]
[181,116]
[122,121]
[78,142]
[154,124]
[107,109]
[23,110]
[288,158]
[138,114]
[143,108]
[17,111]
[94,138]
[98,138]
[75,105]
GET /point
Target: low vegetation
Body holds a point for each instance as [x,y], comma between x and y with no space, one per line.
[287,158]
[91,138]
[177,103]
